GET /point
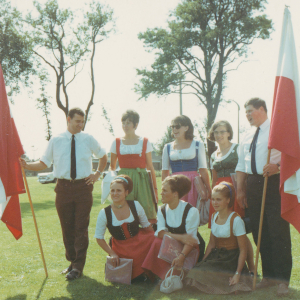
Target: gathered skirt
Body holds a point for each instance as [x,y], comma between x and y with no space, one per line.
[141,190]
[192,195]
[135,248]
[212,275]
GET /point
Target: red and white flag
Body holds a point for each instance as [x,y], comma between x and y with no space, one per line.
[285,124]
[11,180]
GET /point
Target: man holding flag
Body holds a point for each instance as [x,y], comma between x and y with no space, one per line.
[252,167]
[71,153]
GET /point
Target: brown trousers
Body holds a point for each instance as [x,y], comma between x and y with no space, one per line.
[73,202]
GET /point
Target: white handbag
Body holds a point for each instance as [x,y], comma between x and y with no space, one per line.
[171,283]
[110,176]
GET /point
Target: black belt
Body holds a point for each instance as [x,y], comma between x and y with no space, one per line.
[71,181]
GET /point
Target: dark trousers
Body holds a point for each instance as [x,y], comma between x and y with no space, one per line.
[275,246]
[73,204]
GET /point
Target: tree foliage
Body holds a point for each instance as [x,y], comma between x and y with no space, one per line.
[204,40]
[64,40]
[15,49]
[167,138]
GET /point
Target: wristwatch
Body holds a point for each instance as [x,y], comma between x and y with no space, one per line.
[278,165]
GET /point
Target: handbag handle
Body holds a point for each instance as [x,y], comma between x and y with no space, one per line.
[171,270]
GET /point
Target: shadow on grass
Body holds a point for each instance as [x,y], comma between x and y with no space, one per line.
[41,289]
[26,209]
[18,297]
[88,288]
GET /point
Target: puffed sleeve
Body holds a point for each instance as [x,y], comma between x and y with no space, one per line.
[101,225]
[238,226]
[201,156]
[113,148]
[47,158]
[192,222]
[149,147]
[141,214]
[161,223]
[96,148]
[165,159]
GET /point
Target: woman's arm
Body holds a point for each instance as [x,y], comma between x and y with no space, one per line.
[164,174]
[115,258]
[151,169]
[242,242]
[205,177]
[113,161]
[214,178]
[184,238]
[211,245]
[179,260]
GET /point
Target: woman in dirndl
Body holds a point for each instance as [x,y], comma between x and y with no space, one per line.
[223,163]
[134,154]
[185,156]
[124,220]
[223,269]
[179,220]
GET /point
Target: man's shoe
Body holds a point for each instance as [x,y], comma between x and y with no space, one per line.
[73,274]
[265,283]
[283,289]
[67,270]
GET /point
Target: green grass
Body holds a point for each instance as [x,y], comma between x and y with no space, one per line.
[22,274]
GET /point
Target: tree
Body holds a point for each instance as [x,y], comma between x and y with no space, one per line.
[167,138]
[15,49]
[204,40]
[63,43]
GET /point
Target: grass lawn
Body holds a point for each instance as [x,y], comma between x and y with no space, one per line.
[22,274]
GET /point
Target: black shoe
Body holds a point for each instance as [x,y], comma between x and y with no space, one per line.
[73,274]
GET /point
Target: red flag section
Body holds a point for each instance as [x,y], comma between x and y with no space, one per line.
[284,132]
[11,181]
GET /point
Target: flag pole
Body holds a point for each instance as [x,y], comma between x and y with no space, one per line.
[261,222]
[34,219]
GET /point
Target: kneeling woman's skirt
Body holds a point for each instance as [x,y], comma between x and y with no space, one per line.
[135,248]
[212,275]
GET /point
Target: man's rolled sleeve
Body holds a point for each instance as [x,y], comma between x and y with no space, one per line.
[47,158]
[240,167]
[96,148]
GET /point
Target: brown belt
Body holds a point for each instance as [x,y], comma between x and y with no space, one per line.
[71,181]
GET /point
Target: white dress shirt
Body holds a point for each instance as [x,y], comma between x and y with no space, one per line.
[223,231]
[59,152]
[261,153]
[184,154]
[102,220]
[174,217]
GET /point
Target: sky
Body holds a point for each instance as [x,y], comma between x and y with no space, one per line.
[116,61]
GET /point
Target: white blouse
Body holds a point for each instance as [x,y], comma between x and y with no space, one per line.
[189,153]
[131,149]
[174,217]
[102,221]
[223,231]
[217,158]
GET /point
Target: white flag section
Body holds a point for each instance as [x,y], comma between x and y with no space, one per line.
[288,67]
[285,130]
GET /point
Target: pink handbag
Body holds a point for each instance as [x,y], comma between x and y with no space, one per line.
[121,273]
[171,248]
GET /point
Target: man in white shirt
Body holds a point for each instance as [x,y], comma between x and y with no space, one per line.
[71,153]
[251,169]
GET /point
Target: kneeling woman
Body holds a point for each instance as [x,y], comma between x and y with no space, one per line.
[179,220]
[122,219]
[223,266]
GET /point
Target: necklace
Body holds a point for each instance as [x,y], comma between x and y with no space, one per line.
[118,206]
